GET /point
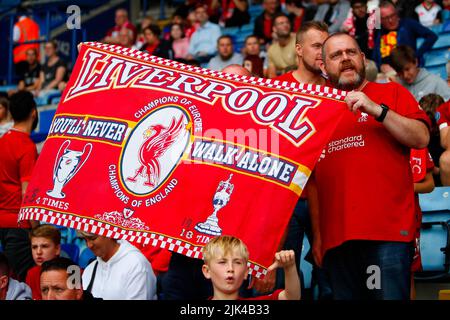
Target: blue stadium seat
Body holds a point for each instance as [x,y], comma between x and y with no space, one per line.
[438,28]
[436,201]
[306,267]
[46,114]
[435,233]
[247,28]
[231,31]
[439,70]
[255,10]
[443,41]
[71,251]
[8,3]
[436,57]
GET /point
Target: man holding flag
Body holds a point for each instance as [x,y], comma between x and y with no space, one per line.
[365,200]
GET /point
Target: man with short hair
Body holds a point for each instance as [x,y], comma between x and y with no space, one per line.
[308,47]
[29,80]
[203,41]
[17,158]
[45,245]
[121,20]
[364,202]
[417,80]
[360,24]
[226,54]
[11,289]
[394,32]
[255,60]
[60,279]
[263,26]
[282,53]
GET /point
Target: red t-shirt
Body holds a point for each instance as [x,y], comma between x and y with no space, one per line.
[267,28]
[364,182]
[421,163]
[114,31]
[443,115]
[18,155]
[288,76]
[33,281]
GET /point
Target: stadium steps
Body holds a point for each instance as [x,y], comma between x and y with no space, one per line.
[436,57]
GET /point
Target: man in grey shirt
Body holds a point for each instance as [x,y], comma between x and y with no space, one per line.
[226,54]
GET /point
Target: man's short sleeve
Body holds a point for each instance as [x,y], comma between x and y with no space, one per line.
[443,115]
[27,162]
[408,106]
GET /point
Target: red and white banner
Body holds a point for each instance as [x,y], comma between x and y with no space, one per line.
[154,151]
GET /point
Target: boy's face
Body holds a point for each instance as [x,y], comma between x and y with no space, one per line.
[43,249]
[227,272]
[409,72]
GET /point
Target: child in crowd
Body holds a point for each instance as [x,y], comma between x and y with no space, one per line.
[422,168]
[45,246]
[226,260]
[429,13]
[429,103]
[5,117]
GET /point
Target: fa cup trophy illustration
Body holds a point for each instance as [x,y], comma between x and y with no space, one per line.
[66,166]
[220,200]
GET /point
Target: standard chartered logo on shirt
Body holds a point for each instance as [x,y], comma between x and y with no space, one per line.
[346,143]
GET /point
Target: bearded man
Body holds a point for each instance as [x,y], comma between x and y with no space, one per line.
[364,203]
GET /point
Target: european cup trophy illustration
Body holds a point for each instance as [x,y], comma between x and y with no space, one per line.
[220,200]
[67,164]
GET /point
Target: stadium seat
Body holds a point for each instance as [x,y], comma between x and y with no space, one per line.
[231,31]
[255,10]
[305,266]
[435,233]
[443,41]
[439,70]
[436,57]
[435,246]
[247,29]
[436,201]
[46,114]
[71,251]
[7,3]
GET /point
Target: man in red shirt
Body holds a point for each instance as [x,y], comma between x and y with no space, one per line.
[17,158]
[121,19]
[308,47]
[443,121]
[365,197]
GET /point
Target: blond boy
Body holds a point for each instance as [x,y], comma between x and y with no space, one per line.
[45,245]
[226,260]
